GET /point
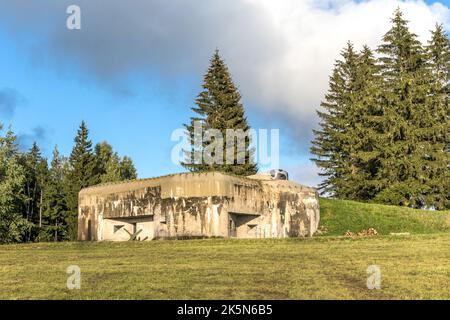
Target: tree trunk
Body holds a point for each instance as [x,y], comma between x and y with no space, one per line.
[56,231]
[40,212]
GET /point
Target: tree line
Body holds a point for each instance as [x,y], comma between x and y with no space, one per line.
[385,120]
[39,198]
[383,137]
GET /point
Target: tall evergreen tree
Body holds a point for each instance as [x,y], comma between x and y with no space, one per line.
[439,57]
[55,216]
[438,51]
[13,226]
[328,145]
[82,174]
[344,143]
[403,148]
[218,107]
[363,129]
[36,172]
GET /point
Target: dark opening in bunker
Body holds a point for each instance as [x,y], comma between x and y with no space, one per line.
[118,227]
[89,230]
[232,227]
[242,224]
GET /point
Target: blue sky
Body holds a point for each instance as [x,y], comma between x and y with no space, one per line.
[134,84]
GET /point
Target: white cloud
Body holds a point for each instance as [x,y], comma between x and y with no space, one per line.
[314,33]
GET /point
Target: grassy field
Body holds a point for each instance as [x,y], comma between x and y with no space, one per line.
[412,267]
[323,267]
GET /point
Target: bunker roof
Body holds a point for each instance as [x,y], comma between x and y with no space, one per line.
[193,184]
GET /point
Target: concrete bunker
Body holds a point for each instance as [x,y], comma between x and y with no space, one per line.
[189,205]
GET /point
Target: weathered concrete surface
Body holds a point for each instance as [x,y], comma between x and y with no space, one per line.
[197,205]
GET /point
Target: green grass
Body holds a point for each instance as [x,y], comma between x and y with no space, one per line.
[412,267]
[322,267]
[338,216]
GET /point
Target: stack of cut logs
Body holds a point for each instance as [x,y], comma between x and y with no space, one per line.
[364,233]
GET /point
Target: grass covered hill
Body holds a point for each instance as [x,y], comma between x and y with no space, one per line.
[339,216]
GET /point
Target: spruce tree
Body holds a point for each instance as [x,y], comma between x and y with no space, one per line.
[55,216]
[362,129]
[438,51]
[402,175]
[36,175]
[338,140]
[13,226]
[219,107]
[82,174]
